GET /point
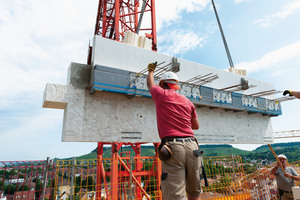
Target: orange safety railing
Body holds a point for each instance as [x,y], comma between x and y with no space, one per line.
[127,177]
[222,172]
[108,178]
[137,178]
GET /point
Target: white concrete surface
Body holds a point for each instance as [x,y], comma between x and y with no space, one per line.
[118,55]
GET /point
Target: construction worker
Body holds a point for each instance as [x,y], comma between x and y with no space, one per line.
[292,93]
[176,119]
[285,179]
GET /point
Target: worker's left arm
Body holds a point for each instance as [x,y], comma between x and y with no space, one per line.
[296,178]
[195,123]
[292,93]
[194,120]
[293,175]
[296,94]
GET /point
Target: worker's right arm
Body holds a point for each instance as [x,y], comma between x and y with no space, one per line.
[150,77]
[274,170]
[150,80]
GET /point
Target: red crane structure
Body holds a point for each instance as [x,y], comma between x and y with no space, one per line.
[114,18]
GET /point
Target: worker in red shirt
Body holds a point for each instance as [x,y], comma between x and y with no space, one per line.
[176,119]
[292,93]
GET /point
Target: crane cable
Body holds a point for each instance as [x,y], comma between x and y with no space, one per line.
[141,17]
[223,36]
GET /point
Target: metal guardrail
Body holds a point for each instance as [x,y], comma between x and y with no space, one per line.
[127,178]
[26,179]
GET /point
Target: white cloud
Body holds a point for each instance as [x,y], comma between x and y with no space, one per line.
[275,18]
[277,73]
[179,42]
[38,40]
[277,58]
[168,11]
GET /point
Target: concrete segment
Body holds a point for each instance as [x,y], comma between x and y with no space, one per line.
[111,117]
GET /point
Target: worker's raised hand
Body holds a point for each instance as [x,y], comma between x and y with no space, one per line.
[289,92]
[278,164]
[152,66]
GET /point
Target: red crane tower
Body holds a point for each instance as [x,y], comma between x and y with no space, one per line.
[114,18]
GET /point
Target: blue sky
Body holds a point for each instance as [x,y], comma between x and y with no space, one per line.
[39,39]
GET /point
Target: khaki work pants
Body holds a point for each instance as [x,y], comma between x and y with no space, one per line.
[181,173]
[287,196]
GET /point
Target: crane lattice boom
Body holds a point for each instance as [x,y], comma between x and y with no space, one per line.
[286,134]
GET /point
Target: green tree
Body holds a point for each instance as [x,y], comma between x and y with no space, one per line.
[89,183]
[23,188]
[38,186]
[10,189]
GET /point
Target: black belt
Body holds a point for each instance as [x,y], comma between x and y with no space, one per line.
[289,192]
[188,139]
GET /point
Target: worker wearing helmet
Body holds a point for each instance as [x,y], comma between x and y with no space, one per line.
[285,179]
[176,119]
[292,93]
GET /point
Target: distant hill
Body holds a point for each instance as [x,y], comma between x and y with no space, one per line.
[209,150]
[291,150]
[277,146]
[221,150]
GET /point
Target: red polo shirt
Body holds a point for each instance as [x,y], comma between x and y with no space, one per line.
[174,113]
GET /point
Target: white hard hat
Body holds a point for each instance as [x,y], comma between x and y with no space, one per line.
[169,78]
[282,156]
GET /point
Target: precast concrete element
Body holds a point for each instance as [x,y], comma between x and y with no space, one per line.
[108,114]
[112,117]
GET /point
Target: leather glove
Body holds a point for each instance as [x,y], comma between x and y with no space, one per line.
[152,66]
[289,92]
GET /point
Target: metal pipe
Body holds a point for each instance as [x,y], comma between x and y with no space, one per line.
[276,158]
[45,178]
